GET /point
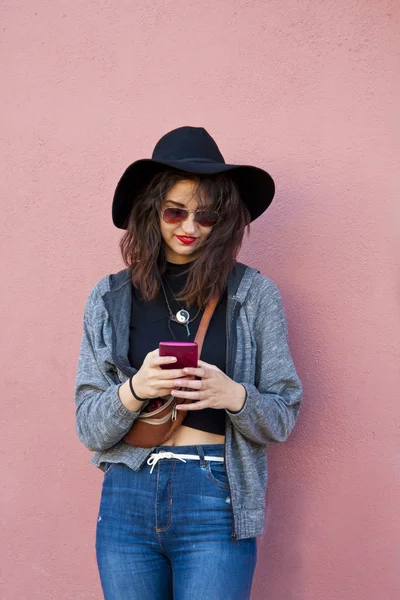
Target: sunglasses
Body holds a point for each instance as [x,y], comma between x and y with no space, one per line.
[205,218]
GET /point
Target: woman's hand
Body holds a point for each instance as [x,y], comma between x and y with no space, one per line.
[151,381]
[213,390]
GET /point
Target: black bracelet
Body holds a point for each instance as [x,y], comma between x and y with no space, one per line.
[133,391]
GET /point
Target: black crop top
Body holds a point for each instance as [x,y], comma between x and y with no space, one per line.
[149,327]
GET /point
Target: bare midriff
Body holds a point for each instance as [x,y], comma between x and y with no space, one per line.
[187,436]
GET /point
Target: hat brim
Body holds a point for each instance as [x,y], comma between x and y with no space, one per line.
[256,186]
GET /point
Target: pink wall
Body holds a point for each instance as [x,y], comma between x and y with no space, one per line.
[307,89]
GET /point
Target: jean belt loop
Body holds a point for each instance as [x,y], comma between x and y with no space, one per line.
[200,451]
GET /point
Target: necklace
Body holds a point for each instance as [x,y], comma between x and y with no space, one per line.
[182,316]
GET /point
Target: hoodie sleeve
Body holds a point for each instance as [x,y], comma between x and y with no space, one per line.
[273,401]
[101,418]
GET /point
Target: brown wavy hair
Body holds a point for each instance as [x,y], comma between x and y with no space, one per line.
[142,244]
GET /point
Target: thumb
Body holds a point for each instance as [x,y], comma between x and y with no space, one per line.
[203,363]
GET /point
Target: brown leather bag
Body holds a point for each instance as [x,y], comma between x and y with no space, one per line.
[159,419]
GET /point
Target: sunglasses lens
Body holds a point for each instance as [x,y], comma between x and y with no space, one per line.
[175,215]
[206,218]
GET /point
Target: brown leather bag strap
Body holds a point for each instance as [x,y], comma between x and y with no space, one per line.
[205,321]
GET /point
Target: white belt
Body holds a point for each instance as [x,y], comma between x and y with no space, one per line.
[154,458]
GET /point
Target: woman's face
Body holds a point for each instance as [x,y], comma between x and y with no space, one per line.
[182,241]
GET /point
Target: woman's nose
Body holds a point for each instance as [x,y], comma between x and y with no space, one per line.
[189,225]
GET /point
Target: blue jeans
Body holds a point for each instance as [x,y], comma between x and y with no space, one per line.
[168,535]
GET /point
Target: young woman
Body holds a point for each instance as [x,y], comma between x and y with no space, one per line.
[179,520]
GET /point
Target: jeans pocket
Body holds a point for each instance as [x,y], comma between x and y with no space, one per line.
[216,472]
[108,467]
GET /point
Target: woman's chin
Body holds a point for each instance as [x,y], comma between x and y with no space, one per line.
[182,255]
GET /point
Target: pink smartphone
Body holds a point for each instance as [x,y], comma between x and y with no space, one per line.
[185,352]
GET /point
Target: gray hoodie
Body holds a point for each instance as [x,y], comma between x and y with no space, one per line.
[258,357]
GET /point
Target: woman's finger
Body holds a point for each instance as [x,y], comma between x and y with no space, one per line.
[188,395]
[194,384]
[196,406]
[165,383]
[206,365]
[154,352]
[196,371]
[157,361]
[168,374]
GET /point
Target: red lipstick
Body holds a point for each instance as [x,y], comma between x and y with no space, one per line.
[186,239]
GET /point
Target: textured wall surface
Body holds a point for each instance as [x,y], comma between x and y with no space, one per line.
[307,89]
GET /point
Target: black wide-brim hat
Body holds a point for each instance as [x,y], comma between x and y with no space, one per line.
[192,150]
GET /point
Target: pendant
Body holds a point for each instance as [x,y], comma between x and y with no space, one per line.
[182,317]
